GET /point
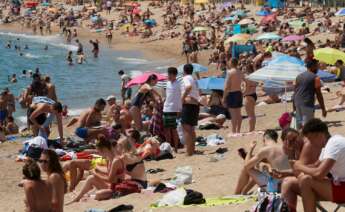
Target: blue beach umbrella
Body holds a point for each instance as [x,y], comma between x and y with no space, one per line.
[196,68]
[262,13]
[211,83]
[326,76]
[286,58]
[230,18]
[150,22]
[340,12]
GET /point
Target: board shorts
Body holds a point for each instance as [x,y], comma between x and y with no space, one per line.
[234,99]
[81,132]
[338,190]
[169,120]
[190,114]
[3,115]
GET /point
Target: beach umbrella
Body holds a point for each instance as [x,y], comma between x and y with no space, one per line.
[125,26]
[268,36]
[132,4]
[136,11]
[340,12]
[268,19]
[211,83]
[200,1]
[141,79]
[238,38]
[293,38]
[230,18]
[200,29]
[239,13]
[263,13]
[246,21]
[329,55]
[286,58]
[326,76]
[150,22]
[196,68]
[297,24]
[283,72]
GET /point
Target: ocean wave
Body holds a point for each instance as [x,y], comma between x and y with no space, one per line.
[28,55]
[132,60]
[162,67]
[135,73]
[65,46]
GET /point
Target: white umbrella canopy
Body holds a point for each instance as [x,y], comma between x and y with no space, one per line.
[283,72]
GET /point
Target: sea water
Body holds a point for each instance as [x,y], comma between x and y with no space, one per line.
[77,86]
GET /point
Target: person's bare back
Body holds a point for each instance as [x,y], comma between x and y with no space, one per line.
[90,118]
[236,78]
[276,157]
[38,196]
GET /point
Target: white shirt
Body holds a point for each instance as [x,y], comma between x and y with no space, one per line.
[37,141]
[188,80]
[335,150]
[173,103]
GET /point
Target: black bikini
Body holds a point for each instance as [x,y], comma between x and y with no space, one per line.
[253,95]
[131,167]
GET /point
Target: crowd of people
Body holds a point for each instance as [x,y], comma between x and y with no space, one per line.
[116,138]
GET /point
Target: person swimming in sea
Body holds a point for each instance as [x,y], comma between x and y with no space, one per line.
[69,58]
[81,58]
[9,44]
[95,49]
[26,46]
[46,48]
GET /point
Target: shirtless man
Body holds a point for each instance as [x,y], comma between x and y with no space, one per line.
[125,116]
[113,113]
[91,119]
[95,49]
[11,102]
[40,115]
[272,153]
[51,89]
[232,97]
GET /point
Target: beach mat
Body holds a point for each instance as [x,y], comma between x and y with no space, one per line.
[215,201]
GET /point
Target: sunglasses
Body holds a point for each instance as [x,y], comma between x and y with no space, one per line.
[43,161]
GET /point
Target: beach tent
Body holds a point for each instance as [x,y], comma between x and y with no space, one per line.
[276,3]
[329,55]
[211,83]
[340,12]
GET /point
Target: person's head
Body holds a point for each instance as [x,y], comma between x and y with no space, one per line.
[134,136]
[36,77]
[172,73]
[111,100]
[121,72]
[316,131]
[188,69]
[10,119]
[14,75]
[152,80]
[103,146]
[100,105]
[77,41]
[313,65]
[49,162]
[339,63]
[270,135]
[290,138]
[57,107]
[24,72]
[233,63]
[47,79]
[31,170]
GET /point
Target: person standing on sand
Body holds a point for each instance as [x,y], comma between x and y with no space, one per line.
[38,192]
[172,108]
[109,36]
[126,93]
[49,163]
[233,98]
[250,98]
[190,108]
[3,108]
[308,84]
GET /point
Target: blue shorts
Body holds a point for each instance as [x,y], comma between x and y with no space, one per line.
[81,132]
[3,115]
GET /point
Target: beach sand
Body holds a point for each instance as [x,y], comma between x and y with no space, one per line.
[213,179]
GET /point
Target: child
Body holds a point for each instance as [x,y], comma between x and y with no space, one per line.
[11,127]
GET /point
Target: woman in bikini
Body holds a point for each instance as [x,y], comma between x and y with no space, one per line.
[250,97]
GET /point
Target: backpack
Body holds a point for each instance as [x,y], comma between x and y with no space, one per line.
[193,197]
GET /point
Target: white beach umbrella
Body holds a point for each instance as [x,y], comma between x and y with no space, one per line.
[283,72]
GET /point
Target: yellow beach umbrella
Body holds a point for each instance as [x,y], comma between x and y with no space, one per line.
[238,38]
[329,55]
[125,26]
[201,1]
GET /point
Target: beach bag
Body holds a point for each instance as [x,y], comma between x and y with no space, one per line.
[193,197]
[271,203]
[127,187]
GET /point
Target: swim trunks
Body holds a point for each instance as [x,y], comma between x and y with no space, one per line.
[169,120]
[190,114]
[3,115]
[234,99]
[81,132]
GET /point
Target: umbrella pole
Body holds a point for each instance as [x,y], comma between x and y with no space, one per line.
[285,101]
